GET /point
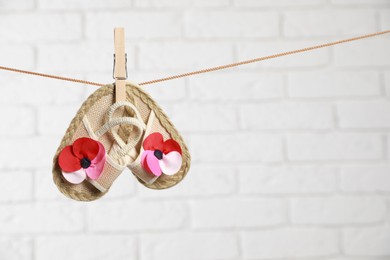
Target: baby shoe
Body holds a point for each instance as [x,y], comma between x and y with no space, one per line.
[106,137]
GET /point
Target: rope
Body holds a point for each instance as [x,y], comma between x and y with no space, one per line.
[222,67]
[52,76]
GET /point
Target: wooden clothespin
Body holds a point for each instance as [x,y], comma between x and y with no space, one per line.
[120,65]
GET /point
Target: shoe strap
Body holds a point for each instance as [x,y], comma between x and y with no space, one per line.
[137,121]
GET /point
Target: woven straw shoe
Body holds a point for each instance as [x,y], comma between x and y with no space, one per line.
[106,137]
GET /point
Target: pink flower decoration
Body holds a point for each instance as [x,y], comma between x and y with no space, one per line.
[85,158]
[161,157]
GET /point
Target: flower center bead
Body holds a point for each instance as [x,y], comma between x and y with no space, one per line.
[158,154]
[85,163]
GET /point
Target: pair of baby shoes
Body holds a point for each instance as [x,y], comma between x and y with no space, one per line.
[106,136]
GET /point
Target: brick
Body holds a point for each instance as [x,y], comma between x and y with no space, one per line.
[37,152]
[83,5]
[139,24]
[222,24]
[130,215]
[366,178]
[344,22]
[286,115]
[360,2]
[78,57]
[174,55]
[236,86]
[353,258]
[44,187]
[364,114]
[373,241]
[331,83]
[363,54]
[337,210]
[204,117]
[277,3]
[388,146]
[17,121]
[40,27]
[385,18]
[287,179]
[387,82]
[16,5]
[189,245]
[16,186]
[41,218]
[230,147]
[231,212]
[89,246]
[289,243]
[313,59]
[201,181]
[182,3]
[320,147]
[12,248]
[20,56]
[38,91]
[54,120]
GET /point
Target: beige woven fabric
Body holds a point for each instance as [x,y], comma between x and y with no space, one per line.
[94,109]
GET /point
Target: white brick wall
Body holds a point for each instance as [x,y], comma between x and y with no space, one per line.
[141,25]
[364,114]
[369,178]
[291,157]
[344,22]
[372,241]
[231,212]
[88,246]
[285,180]
[190,245]
[287,115]
[289,243]
[23,28]
[334,83]
[222,24]
[338,210]
[334,147]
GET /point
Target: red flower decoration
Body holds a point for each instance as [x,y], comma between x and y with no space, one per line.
[85,157]
[161,156]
